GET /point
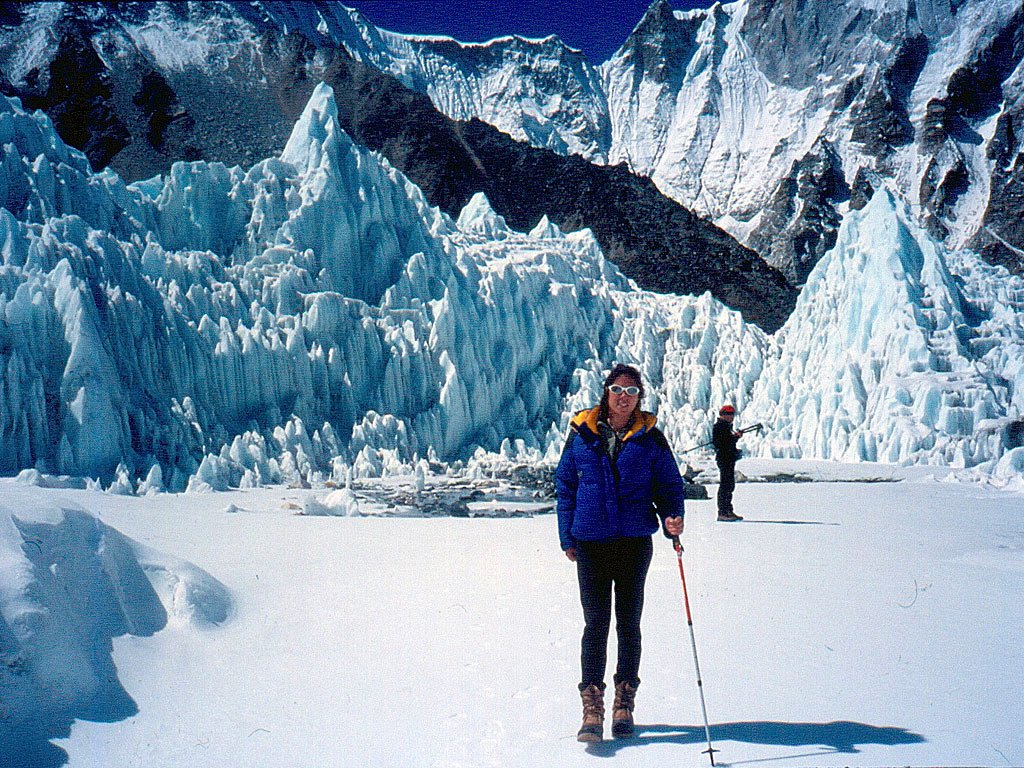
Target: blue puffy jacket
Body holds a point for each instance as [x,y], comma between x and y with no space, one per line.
[599,499]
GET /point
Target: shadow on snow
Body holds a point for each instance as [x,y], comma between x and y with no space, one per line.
[841,736]
[88,589]
[789,522]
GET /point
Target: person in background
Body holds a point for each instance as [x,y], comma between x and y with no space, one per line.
[725,438]
[616,477]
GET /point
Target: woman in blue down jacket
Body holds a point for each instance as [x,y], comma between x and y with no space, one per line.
[616,477]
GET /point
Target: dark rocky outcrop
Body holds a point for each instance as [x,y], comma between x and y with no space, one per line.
[882,121]
[77,93]
[862,189]
[975,90]
[661,45]
[801,222]
[794,40]
[1000,239]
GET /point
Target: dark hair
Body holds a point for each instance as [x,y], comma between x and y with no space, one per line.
[620,369]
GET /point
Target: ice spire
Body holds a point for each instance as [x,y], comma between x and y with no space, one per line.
[480,218]
[317,133]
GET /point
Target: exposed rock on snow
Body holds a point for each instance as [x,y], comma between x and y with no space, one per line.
[340,503]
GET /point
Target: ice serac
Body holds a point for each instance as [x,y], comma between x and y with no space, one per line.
[130,349]
[889,354]
[316,288]
[313,317]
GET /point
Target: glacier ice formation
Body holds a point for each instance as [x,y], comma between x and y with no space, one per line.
[313,316]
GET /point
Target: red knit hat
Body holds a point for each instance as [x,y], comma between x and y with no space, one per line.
[726,409]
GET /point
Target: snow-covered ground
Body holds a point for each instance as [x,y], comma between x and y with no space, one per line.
[843,624]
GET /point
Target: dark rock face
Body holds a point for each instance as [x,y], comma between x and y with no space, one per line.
[882,123]
[975,91]
[940,189]
[1001,237]
[76,92]
[661,45]
[795,40]
[796,43]
[654,240]
[934,130]
[863,187]
[245,112]
[801,222]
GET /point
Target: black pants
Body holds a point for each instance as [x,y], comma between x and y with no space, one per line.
[726,485]
[621,566]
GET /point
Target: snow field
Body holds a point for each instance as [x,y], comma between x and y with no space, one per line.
[841,624]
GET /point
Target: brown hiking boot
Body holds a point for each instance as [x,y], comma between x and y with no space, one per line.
[622,710]
[593,714]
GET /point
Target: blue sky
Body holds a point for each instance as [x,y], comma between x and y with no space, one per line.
[597,27]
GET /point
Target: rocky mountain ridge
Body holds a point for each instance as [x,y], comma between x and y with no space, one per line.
[726,109]
[135,88]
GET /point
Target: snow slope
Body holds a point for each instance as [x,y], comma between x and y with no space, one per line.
[844,624]
[69,585]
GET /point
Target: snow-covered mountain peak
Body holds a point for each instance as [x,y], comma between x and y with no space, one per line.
[549,44]
[538,90]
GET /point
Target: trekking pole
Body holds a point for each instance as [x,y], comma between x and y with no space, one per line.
[745,430]
[710,751]
[702,445]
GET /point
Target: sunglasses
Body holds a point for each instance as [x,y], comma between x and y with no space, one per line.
[615,389]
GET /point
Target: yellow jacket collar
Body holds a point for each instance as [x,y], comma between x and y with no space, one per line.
[589,418]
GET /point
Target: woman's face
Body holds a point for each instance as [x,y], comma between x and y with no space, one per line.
[621,405]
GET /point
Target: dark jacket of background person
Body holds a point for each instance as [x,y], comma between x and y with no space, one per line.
[600,498]
[725,441]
